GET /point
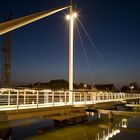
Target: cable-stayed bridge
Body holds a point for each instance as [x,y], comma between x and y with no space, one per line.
[21,100]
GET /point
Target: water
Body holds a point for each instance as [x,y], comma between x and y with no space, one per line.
[121,128]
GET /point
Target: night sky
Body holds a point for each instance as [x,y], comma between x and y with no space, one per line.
[40,49]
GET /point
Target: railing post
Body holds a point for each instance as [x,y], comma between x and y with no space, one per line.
[102,97]
[80,96]
[96,96]
[9,97]
[114,96]
[24,97]
[60,97]
[65,98]
[111,96]
[85,97]
[92,97]
[53,98]
[17,100]
[45,97]
[108,96]
[74,97]
[37,99]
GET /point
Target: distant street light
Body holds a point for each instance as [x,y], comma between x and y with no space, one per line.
[131,87]
[85,86]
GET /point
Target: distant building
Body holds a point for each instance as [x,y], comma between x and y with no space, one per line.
[105,88]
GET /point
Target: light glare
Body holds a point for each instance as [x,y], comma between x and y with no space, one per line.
[74,15]
[68,17]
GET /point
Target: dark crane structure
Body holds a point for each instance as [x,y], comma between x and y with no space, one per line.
[6,57]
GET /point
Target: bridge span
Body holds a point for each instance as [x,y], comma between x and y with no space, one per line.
[20,99]
[55,104]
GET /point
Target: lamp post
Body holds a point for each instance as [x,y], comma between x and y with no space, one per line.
[131,87]
[85,86]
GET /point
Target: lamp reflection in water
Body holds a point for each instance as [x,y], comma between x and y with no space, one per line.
[124,123]
[106,134]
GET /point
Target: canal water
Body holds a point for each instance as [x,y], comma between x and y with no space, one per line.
[90,128]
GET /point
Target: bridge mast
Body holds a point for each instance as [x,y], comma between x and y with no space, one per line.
[71,17]
[71,48]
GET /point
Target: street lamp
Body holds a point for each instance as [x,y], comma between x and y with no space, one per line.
[69,17]
[75,15]
[131,87]
[85,86]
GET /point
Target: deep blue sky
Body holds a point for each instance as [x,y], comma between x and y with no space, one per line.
[40,50]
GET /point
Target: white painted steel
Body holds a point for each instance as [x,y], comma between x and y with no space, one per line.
[19,22]
[16,99]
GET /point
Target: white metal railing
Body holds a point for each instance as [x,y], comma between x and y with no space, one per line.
[14,99]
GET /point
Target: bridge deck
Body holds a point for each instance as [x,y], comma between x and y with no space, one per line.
[19,99]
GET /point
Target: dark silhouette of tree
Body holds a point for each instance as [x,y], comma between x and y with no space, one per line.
[134,84]
[125,89]
[131,87]
[58,84]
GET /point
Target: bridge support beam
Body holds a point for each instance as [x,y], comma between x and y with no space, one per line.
[19,22]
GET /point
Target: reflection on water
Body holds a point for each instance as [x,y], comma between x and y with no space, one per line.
[111,132]
[91,128]
[106,134]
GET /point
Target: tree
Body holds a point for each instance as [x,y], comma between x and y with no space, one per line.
[124,88]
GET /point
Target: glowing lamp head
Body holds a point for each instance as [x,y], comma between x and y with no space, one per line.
[67,17]
[75,15]
[85,85]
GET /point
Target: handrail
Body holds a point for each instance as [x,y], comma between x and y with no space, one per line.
[16,99]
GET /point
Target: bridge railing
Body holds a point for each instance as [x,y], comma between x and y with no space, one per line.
[14,99]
